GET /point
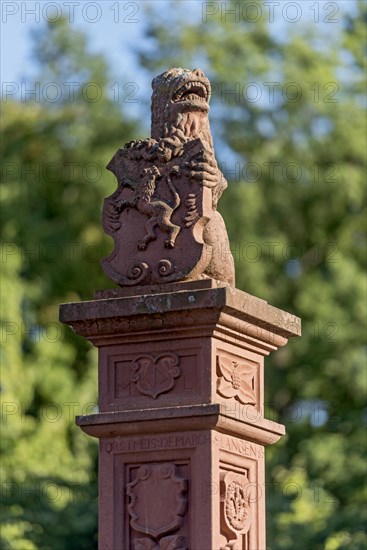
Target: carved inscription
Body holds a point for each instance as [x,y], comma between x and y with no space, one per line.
[236,379]
[157,443]
[155,375]
[158,504]
[240,447]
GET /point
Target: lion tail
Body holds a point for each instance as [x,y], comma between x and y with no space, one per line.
[176,196]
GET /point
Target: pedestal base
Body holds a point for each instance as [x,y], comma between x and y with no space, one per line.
[181,422]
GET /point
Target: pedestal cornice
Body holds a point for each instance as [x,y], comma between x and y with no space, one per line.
[179,309]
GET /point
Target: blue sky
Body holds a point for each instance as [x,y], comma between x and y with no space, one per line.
[115,26]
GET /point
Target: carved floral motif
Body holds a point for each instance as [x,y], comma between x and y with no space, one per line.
[236,505]
[235,509]
[236,380]
[157,507]
[155,375]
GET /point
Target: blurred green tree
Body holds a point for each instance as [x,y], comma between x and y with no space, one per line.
[289,126]
[294,212]
[53,185]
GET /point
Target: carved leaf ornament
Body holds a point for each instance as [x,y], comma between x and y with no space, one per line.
[236,506]
[236,513]
[236,380]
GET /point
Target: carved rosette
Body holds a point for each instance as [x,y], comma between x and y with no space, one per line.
[155,375]
[235,508]
[236,379]
[157,507]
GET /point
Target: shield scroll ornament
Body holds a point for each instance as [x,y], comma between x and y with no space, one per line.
[235,507]
[155,375]
[158,500]
[157,215]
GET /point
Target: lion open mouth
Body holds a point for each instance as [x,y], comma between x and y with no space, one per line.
[191,91]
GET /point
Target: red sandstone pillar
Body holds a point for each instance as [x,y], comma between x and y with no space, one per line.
[181,413]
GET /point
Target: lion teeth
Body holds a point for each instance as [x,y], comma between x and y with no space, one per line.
[195,87]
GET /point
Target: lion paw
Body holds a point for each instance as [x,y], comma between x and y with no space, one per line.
[169,243]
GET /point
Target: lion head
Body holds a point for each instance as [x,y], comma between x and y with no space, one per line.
[180,105]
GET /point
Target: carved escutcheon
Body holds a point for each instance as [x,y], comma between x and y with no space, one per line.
[155,375]
[235,507]
[158,505]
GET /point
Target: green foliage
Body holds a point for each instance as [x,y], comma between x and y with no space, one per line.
[295,215]
[295,218]
[54,182]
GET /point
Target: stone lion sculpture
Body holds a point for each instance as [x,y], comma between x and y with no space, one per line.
[173,183]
